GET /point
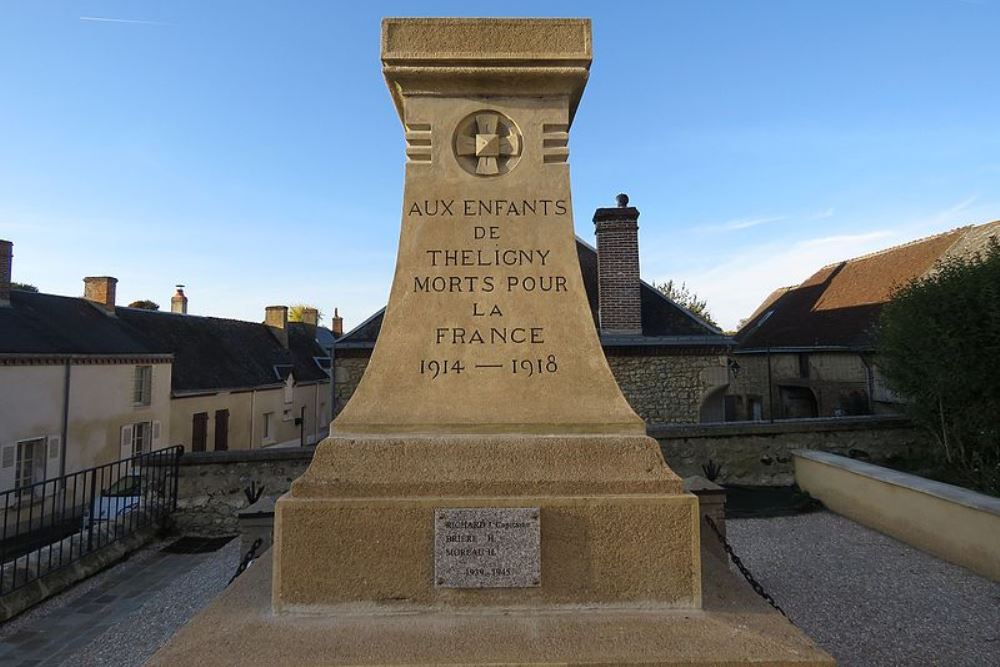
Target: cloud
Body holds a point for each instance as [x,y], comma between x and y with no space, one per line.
[748,222]
[741,223]
[104,19]
[821,215]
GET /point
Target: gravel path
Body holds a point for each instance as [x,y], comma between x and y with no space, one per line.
[869,599]
[121,616]
[132,641]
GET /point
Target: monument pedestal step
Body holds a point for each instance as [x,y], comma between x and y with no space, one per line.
[616,527]
[735,627]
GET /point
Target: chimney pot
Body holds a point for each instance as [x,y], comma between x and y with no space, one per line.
[100,290]
[6,271]
[276,318]
[337,324]
[619,290]
[179,302]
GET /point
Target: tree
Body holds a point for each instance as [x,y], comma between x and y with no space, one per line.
[24,287]
[145,304]
[295,312]
[686,297]
[939,348]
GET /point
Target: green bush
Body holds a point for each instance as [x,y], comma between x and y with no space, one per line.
[939,348]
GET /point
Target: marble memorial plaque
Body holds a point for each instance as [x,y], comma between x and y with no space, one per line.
[487,547]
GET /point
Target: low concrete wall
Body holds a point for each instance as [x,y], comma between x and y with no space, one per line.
[211,484]
[953,523]
[760,453]
[60,579]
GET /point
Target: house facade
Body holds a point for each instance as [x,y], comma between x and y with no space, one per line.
[809,350]
[84,382]
[671,365]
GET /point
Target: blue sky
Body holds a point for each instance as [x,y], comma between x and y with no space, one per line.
[251,151]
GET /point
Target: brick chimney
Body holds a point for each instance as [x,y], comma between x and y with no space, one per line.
[101,291]
[617,231]
[6,271]
[337,324]
[276,319]
[179,302]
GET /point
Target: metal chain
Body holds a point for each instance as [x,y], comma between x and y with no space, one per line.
[758,589]
[247,559]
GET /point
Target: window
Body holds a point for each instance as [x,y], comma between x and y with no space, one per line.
[755,408]
[268,425]
[137,438]
[199,431]
[221,430]
[29,466]
[143,388]
[142,437]
[803,365]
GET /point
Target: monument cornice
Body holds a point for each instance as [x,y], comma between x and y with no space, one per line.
[488,57]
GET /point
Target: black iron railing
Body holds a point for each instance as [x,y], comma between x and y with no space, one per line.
[50,525]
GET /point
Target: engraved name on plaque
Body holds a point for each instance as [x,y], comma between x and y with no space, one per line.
[487,547]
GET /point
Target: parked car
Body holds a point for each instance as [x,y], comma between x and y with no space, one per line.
[124,495]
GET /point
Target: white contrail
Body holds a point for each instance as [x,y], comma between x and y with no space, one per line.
[103,19]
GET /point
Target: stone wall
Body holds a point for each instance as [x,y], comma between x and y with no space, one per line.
[666,388]
[839,382]
[760,453]
[349,370]
[211,484]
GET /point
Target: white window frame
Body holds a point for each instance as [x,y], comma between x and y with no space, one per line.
[142,437]
[39,447]
[268,428]
[142,388]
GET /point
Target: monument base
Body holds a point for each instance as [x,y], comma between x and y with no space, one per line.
[356,533]
[735,627]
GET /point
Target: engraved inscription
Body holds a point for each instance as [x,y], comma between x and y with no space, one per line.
[487,547]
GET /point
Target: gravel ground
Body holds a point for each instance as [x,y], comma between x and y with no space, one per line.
[132,641]
[867,598]
[33,617]
[184,584]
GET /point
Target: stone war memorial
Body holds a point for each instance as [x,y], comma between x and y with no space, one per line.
[488,496]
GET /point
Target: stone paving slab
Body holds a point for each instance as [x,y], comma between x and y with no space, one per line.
[109,619]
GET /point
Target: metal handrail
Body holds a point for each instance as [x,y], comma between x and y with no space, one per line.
[50,525]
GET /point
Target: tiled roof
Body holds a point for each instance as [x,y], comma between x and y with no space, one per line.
[839,304]
[209,353]
[661,317]
[37,323]
[217,353]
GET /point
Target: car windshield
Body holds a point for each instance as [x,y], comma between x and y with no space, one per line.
[126,486]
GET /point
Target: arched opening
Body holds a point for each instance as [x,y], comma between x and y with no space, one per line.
[797,402]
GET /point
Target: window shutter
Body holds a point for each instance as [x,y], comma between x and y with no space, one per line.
[7,467]
[126,442]
[156,435]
